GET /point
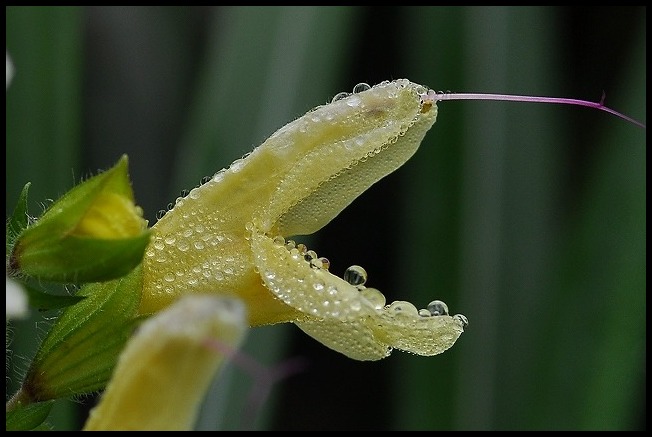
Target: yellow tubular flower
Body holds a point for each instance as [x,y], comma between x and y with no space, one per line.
[228,236]
[164,372]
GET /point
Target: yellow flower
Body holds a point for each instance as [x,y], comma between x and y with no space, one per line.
[227,236]
[167,366]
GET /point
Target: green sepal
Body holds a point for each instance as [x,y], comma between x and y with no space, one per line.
[28,417]
[79,353]
[45,301]
[93,233]
[82,259]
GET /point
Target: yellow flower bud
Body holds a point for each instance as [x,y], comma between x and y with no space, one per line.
[94,232]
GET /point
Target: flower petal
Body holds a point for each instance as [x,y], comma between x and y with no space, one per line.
[164,372]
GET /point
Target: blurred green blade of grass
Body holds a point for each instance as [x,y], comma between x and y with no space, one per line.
[43,102]
[43,130]
[427,250]
[601,289]
[263,68]
[533,276]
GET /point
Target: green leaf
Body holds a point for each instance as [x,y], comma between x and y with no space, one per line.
[29,417]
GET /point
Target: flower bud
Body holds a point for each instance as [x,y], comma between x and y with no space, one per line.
[94,232]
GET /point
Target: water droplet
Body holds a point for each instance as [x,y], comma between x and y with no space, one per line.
[462,318]
[310,255]
[194,194]
[325,263]
[204,180]
[355,275]
[158,245]
[339,96]
[421,90]
[318,286]
[237,165]
[302,248]
[438,308]
[199,229]
[401,307]
[316,263]
[374,296]
[169,277]
[279,241]
[187,233]
[290,245]
[354,101]
[183,245]
[170,240]
[361,87]
[192,281]
[219,176]
[198,245]
[424,313]
[170,206]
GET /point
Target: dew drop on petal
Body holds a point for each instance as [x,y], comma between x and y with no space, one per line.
[462,318]
[361,87]
[354,101]
[355,275]
[401,307]
[339,96]
[438,308]
[325,263]
[374,296]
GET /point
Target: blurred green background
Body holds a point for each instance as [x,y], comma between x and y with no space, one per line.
[528,219]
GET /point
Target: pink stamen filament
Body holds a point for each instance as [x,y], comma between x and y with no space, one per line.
[532,99]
